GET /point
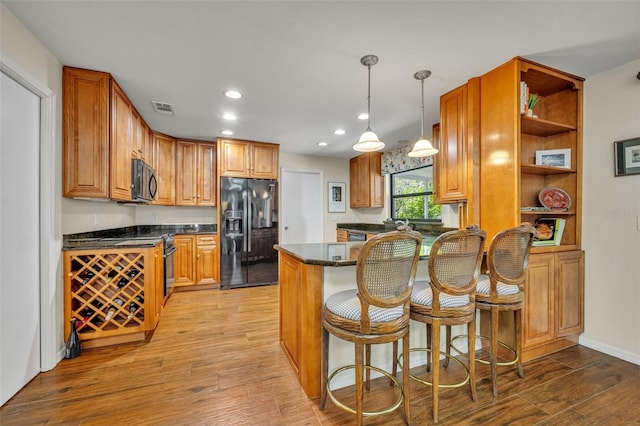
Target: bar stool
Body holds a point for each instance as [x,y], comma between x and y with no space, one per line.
[377,312]
[448,299]
[503,290]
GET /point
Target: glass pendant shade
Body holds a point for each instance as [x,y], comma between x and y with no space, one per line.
[422,147]
[369,141]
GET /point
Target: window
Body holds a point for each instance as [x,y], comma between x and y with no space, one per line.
[412,196]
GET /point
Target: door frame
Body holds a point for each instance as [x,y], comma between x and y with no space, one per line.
[283,171]
[50,298]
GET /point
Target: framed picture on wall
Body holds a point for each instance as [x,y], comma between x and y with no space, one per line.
[337,195]
[627,157]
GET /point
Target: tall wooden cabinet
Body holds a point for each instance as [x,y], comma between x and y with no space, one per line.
[195,173]
[366,183]
[248,159]
[510,181]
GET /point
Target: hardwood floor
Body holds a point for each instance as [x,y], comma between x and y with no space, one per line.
[215,360]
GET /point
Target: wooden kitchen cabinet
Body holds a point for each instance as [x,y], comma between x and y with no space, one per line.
[342,236]
[164,164]
[554,302]
[196,260]
[158,285]
[366,183]
[207,259]
[141,146]
[184,260]
[195,173]
[120,146]
[240,158]
[97,136]
[112,293]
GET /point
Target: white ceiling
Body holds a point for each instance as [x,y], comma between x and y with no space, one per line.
[298,62]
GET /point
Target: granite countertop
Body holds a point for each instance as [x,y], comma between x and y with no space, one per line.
[425,228]
[132,236]
[337,254]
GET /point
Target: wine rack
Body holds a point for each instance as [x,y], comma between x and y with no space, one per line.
[109,291]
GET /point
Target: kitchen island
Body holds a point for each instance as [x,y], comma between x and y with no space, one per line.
[308,275]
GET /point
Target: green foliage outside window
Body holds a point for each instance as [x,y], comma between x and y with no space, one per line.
[412,195]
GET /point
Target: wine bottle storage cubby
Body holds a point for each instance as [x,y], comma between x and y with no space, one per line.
[105,291]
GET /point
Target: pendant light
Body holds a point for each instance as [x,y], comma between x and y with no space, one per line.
[369,141]
[422,147]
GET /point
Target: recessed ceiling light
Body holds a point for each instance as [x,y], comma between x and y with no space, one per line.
[363,116]
[322,144]
[339,132]
[229,116]
[233,94]
[227,132]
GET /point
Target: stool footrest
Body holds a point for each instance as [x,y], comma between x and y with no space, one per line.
[365,413]
[441,385]
[484,361]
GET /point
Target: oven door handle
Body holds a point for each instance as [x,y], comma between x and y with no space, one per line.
[170,251]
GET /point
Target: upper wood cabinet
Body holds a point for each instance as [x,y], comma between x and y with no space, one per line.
[366,184]
[121,142]
[455,165]
[195,173]
[97,136]
[85,118]
[164,148]
[102,132]
[239,158]
[141,146]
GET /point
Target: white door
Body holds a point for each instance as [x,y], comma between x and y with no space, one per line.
[19,237]
[301,213]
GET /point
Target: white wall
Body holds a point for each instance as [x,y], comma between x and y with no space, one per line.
[333,170]
[19,45]
[611,210]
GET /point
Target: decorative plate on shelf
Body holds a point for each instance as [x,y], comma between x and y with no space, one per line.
[554,198]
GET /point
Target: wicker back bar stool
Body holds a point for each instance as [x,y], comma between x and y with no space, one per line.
[448,299]
[502,289]
[376,312]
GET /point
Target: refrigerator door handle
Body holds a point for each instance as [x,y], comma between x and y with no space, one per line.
[249,224]
[244,224]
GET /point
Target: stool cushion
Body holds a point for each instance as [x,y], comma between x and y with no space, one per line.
[347,305]
[484,286]
[421,295]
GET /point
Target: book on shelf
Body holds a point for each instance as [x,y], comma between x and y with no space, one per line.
[524,98]
[548,231]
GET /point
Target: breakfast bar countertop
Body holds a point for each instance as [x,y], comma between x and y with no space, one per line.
[337,254]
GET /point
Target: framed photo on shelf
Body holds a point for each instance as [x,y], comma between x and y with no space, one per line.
[627,157]
[554,158]
[337,195]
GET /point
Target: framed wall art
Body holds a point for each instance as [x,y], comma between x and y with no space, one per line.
[337,195]
[626,154]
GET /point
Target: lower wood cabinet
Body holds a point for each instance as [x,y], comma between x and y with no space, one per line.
[114,295]
[553,315]
[196,260]
[342,236]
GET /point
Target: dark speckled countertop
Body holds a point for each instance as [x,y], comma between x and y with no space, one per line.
[131,236]
[337,254]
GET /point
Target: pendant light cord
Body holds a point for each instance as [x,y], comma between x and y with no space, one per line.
[422,111]
[369,100]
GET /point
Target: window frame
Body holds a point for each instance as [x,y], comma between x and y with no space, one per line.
[393,197]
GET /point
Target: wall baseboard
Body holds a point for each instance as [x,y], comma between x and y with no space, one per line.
[610,350]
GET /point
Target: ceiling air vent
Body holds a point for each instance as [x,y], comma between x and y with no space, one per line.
[163,108]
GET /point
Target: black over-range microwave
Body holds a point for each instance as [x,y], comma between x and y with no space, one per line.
[144,184]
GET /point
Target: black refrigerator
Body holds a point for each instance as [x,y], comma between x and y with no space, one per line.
[248,232]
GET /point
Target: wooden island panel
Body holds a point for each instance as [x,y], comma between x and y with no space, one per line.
[301,319]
